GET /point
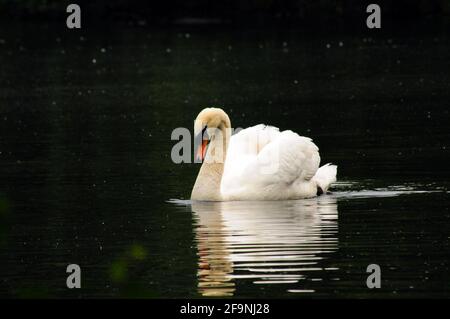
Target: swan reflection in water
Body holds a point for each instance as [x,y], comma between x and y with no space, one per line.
[268,242]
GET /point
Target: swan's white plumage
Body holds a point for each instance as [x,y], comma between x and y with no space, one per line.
[261,163]
[325,175]
[264,163]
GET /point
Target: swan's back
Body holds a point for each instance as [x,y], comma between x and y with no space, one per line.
[264,163]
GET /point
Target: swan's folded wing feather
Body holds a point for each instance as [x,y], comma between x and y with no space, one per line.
[280,158]
[246,145]
[242,151]
[288,158]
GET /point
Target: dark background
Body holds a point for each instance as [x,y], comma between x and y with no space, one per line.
[86,117]
[237,12]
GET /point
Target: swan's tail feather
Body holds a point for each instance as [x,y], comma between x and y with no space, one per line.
[324,176]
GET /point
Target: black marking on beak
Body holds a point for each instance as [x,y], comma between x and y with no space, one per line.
[203,135]
[202,141]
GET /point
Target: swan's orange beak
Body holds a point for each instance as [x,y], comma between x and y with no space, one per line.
[201,150]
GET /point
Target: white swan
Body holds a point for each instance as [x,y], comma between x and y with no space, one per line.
[258,163]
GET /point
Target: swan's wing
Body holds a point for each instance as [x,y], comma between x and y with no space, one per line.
[283,158]
[245,146]
[288,158]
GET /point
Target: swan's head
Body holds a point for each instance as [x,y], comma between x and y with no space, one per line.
[206,127]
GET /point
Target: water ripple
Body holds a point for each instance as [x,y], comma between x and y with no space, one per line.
[273,242]
[265,242]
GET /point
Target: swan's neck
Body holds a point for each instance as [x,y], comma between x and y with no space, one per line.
[209,178]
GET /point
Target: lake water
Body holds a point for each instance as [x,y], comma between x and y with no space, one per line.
[86,175]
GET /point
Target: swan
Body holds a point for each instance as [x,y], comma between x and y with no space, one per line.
[257,163]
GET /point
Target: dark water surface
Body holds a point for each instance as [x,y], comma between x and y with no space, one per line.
[86,175]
